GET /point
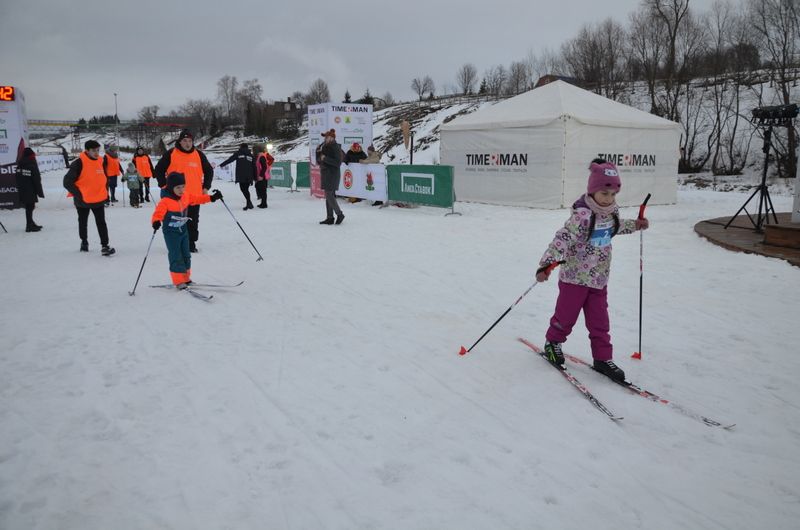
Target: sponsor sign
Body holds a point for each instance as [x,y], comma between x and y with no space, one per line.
[363,181]
[428,185]
[13,138]
[281,175]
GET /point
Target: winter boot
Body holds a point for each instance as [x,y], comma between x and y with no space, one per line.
[339,218]
[328,221]
[84,245]
[33,228]
[263,204]
[107,251]
[192,247]
[610,369]
[553,352]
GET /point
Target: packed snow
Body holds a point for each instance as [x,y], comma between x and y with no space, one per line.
[327,392]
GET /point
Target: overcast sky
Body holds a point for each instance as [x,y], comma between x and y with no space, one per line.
[69,57]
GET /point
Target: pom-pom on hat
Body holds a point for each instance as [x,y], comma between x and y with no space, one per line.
[603,176]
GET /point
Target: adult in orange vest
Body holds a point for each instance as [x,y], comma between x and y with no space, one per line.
[87,183]
[113,169]
[184,158]
[144,167]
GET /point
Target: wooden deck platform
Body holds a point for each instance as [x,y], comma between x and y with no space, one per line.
[740,236]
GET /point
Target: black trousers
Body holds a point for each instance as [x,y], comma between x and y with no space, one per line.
[261,191]
[194,220]
[145,190]
[99,219]
[29,214]
[245,187]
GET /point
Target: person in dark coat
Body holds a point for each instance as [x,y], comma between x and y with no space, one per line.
[244,171]
[65,155]
[29,186]
[329,157]
[355,154]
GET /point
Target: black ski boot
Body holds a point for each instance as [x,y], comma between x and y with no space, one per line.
[610,369]
[84,245]
[553,352]
[107,251]
[328,221]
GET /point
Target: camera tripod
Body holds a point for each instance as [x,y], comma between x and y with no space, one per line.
[764,200]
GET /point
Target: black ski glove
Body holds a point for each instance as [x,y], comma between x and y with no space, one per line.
[156,225]
[217,195]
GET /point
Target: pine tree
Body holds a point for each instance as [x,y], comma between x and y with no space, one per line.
[483,88]
[346,96]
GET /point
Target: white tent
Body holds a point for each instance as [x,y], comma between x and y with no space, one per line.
[534,149]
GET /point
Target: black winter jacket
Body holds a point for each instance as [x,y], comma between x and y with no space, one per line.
[29,181]
[245,169]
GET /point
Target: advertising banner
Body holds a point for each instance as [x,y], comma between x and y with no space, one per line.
[426,185]
[363,181]
[352,123]
[303,177]
[13,139]
[281,175]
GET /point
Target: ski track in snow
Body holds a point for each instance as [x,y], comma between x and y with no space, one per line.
[326,392]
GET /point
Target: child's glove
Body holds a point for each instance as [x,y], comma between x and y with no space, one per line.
[217,195]
[642,224]
[156,225]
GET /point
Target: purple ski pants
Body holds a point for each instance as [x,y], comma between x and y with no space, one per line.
[594,303]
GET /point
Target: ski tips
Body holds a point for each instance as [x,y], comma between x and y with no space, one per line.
[462,351]
[637,355]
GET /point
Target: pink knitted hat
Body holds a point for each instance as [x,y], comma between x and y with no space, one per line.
[603,177]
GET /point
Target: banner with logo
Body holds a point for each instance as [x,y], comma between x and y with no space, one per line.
[303,175]
[13,139]
[363,181]
[427,185]
[352,123]
[281,175]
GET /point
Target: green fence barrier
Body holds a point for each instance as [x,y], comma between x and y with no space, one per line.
[428,185]
[281,175]
[303,177]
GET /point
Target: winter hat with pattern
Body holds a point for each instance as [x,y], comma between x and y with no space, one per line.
[603,176]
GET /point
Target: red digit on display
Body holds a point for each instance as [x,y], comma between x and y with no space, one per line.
[6,93]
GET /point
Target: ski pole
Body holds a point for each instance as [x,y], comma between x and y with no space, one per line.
[638,354]
[260,258]
[143,262]
[547,269]
[4,228]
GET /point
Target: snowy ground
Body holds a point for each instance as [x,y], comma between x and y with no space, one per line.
[327,392]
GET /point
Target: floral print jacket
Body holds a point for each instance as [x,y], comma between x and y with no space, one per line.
[587,256]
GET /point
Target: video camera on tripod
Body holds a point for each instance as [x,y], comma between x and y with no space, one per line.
[769,117]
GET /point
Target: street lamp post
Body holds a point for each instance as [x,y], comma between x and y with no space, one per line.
[116,121]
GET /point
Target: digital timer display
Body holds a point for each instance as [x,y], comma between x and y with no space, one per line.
[7,93]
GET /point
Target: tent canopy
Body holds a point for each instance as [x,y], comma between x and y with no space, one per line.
[553,101]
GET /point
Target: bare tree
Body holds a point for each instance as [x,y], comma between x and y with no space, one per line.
[547,62]
[423,86]
[148,113]
[582,54]
[646,40]
[227,89]
[201,112]
[777,26]
[466,77]
[388,99]
[495,78]
[518,78]
[672,14]
[251,91]
[318,93]
[614,54]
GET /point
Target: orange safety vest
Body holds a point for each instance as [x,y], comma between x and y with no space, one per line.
[92,181]
[143,166]
[113,167]
[192,168]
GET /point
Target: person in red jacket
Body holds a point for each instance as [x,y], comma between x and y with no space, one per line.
[193,164]
[264,162]
[86,182]
[172,211]
[113,169]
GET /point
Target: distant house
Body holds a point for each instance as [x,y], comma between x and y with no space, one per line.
[286,110]
[549,78]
